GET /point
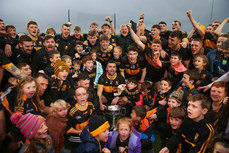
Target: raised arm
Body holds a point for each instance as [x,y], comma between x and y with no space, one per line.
[218,31]
[111,24]
[135,37]
[195,24]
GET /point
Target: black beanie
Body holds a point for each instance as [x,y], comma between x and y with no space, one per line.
[97,124]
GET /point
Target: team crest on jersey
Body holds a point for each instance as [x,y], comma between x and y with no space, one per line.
[64,87]
[224,62]
[40,43]
[45,59]
[196,137]
[203,76]
[66,47]
[116,83]
[49,143]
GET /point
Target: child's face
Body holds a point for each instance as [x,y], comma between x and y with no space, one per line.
[217,94]
[27,70]
[42,132]
[175,122]
[94,56]
[69,62]
[219,148]
[89,65]
[105,44]
[55,58]
[134,116]
[199,63]
[173,103]
[29,89]
[62,75]
[131,85]
[186,82]
[145,92]
[103,136]
[62,111]
[79,48]
[81,96]
[76,67]
[164,86]
[195,111]
[116,53]
[174,60]
[124,131]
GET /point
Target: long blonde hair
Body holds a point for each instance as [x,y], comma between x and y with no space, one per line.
[36,96]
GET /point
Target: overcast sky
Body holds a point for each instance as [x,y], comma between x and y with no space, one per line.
[53,13]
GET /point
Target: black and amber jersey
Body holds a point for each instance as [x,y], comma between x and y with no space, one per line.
[194,136]
[132,69]
[38,43]
[151,67]
[110,86]
[58,89]
[164,42]
[30,106]
[210,41]
[103,56]
[172,74]
[78,118]
[133,95]
[165,34]
[4,61]
[185,52]
[65,46]
[91,75]
[113,40]
[82,38]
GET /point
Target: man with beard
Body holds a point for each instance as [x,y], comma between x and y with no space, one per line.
[124,40]
[108,85]
[40,59]
[42,82]
[32,28]
[26,51]
[64,42]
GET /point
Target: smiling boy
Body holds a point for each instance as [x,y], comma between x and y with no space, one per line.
[196,131]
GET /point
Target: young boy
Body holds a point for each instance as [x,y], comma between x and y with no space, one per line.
[59,85]
[95,136]
[51,31]
[188,85]
[79,52]
[174,68]
[89,69]
[130,96]
[78,36]
[176,117]
[78,117]
[148,95]
[161,115]
[53,57]
[68,60]
[76,64]
[142,125]
[196,130]
[164,92]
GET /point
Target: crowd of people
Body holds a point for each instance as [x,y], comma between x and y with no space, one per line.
[55,89]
